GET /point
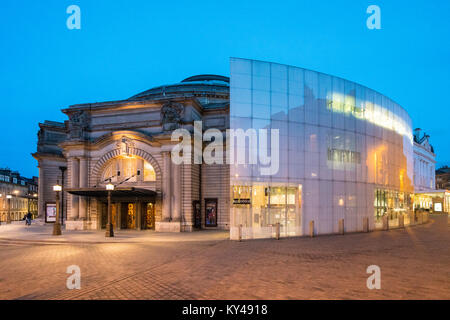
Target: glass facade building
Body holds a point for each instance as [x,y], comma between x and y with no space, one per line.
[344,152]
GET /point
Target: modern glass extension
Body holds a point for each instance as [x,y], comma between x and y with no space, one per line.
[339,142]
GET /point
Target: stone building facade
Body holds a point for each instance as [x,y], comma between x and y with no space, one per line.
[128,143]
[424,162]
[443,178]
[23,194]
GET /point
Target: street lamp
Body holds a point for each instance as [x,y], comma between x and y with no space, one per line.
[109,226]
[57,226]
[8,217]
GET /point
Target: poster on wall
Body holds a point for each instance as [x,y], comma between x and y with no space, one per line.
[438,207]
[210,212]
[50,212]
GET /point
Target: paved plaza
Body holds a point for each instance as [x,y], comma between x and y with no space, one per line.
[414,262]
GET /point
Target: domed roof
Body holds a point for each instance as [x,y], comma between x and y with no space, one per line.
[198,85]
[207,77]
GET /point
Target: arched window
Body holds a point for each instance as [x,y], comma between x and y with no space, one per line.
[149,172]
[130,168]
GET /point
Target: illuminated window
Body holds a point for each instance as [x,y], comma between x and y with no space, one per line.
[128,170]
[149,172]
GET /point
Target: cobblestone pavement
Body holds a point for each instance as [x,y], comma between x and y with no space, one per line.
[414,262]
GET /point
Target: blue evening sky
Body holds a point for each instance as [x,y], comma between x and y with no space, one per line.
[125,47]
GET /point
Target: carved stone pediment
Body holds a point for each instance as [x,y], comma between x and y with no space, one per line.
[171,115]
[124,145]
[78,124]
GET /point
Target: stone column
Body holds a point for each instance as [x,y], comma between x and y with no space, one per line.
[118,215]
[41,184]
[83,183]
[176,192]
[166,187]
[74,183]
[138,215]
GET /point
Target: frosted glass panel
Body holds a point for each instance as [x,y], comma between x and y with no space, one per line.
[339,144]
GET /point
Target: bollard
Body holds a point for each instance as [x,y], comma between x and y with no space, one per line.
[365,224]
[412,218]
[240,232]
[277,231]
[311,228]
[420,218]
[385,222]
[401,221]
[341,226]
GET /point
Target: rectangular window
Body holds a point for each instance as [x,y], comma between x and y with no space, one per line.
[345,156]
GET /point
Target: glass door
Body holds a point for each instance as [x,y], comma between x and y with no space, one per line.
[148,217]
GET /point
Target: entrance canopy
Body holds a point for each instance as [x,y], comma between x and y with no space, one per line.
[125,192]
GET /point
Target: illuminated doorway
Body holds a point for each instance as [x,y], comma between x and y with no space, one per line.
[128,215]
[148,216]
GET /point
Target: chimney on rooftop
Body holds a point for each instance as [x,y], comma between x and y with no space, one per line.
[417,134]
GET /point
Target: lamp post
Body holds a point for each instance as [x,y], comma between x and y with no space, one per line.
[63,169]
[109,226]
[57,226]
[8,216]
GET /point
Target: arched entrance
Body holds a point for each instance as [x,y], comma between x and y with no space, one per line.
[130,170]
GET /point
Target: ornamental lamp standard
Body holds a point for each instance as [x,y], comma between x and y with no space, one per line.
[57,226]
[8,216]
[109,226]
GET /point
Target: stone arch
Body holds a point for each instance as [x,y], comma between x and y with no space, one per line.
[101,163]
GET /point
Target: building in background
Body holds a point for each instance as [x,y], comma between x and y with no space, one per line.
[23,192]
[431,192]
[443,178]
[441,197]
[424,171]
[424,162]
